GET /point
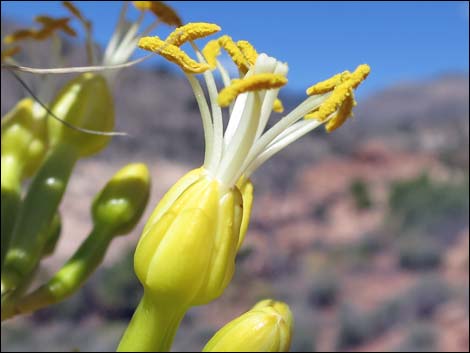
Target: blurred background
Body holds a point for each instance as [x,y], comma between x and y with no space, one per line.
[364,232]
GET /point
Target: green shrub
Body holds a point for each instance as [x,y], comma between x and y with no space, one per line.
[421,338]
[360,193]
[417,253]
[324,291]
[435,209]
[354,328]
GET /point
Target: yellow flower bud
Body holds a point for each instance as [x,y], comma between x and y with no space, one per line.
[87,103]
[187,250]
[267,327]
[24,137]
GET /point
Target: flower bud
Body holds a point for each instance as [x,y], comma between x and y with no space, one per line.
[267,327]
[122,201]
[188,247]
[24,137]
[87,103]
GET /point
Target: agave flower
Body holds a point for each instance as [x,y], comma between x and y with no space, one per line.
[186,254]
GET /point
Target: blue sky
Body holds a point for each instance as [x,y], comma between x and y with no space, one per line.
[401,41]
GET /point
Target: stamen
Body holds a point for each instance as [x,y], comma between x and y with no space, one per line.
[173,54]
[211,51]
[165,13]
[235,53]
[329,84]
[142,5]
[341,101]
[255,82]
[50,25]
[77,69]
[191,31]
[18,35]
[359,75]
[248,51]
[77,13]
[333,103]
[87,25]
[344,112]
[118,34]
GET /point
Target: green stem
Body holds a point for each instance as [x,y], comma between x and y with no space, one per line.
[69,278]
[35,214]
[11,198]
[153,326]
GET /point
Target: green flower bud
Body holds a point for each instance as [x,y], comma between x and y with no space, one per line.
[24,144]
[24,137]
[197,216]
[116,210]
[122,201]
[267,327]
[84,102]
[87,103]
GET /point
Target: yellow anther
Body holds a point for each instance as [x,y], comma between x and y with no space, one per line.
[333,103]
[312,115]
[77,13]
[359,75]
[8,53]
[173,54]
[248,51]
[210,52]
[278,107]
[165,13]
[341,101]
[191,31]
[142,5]
[255,82]
[20,34]
[235,53]
[329,84]
[344,112]
[50,25]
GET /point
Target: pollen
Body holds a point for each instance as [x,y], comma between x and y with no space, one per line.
[256,82]
[278,107]
[172,53]
[191,31]
[165,13]
[142,5]
[359,75]
[8,53]
[210,52]
[235,53]
[333,103]
[248,51]
[344,112]
[329,84]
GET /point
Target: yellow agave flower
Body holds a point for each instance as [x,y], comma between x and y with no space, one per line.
[267,327]
[189,244]
[186,254]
